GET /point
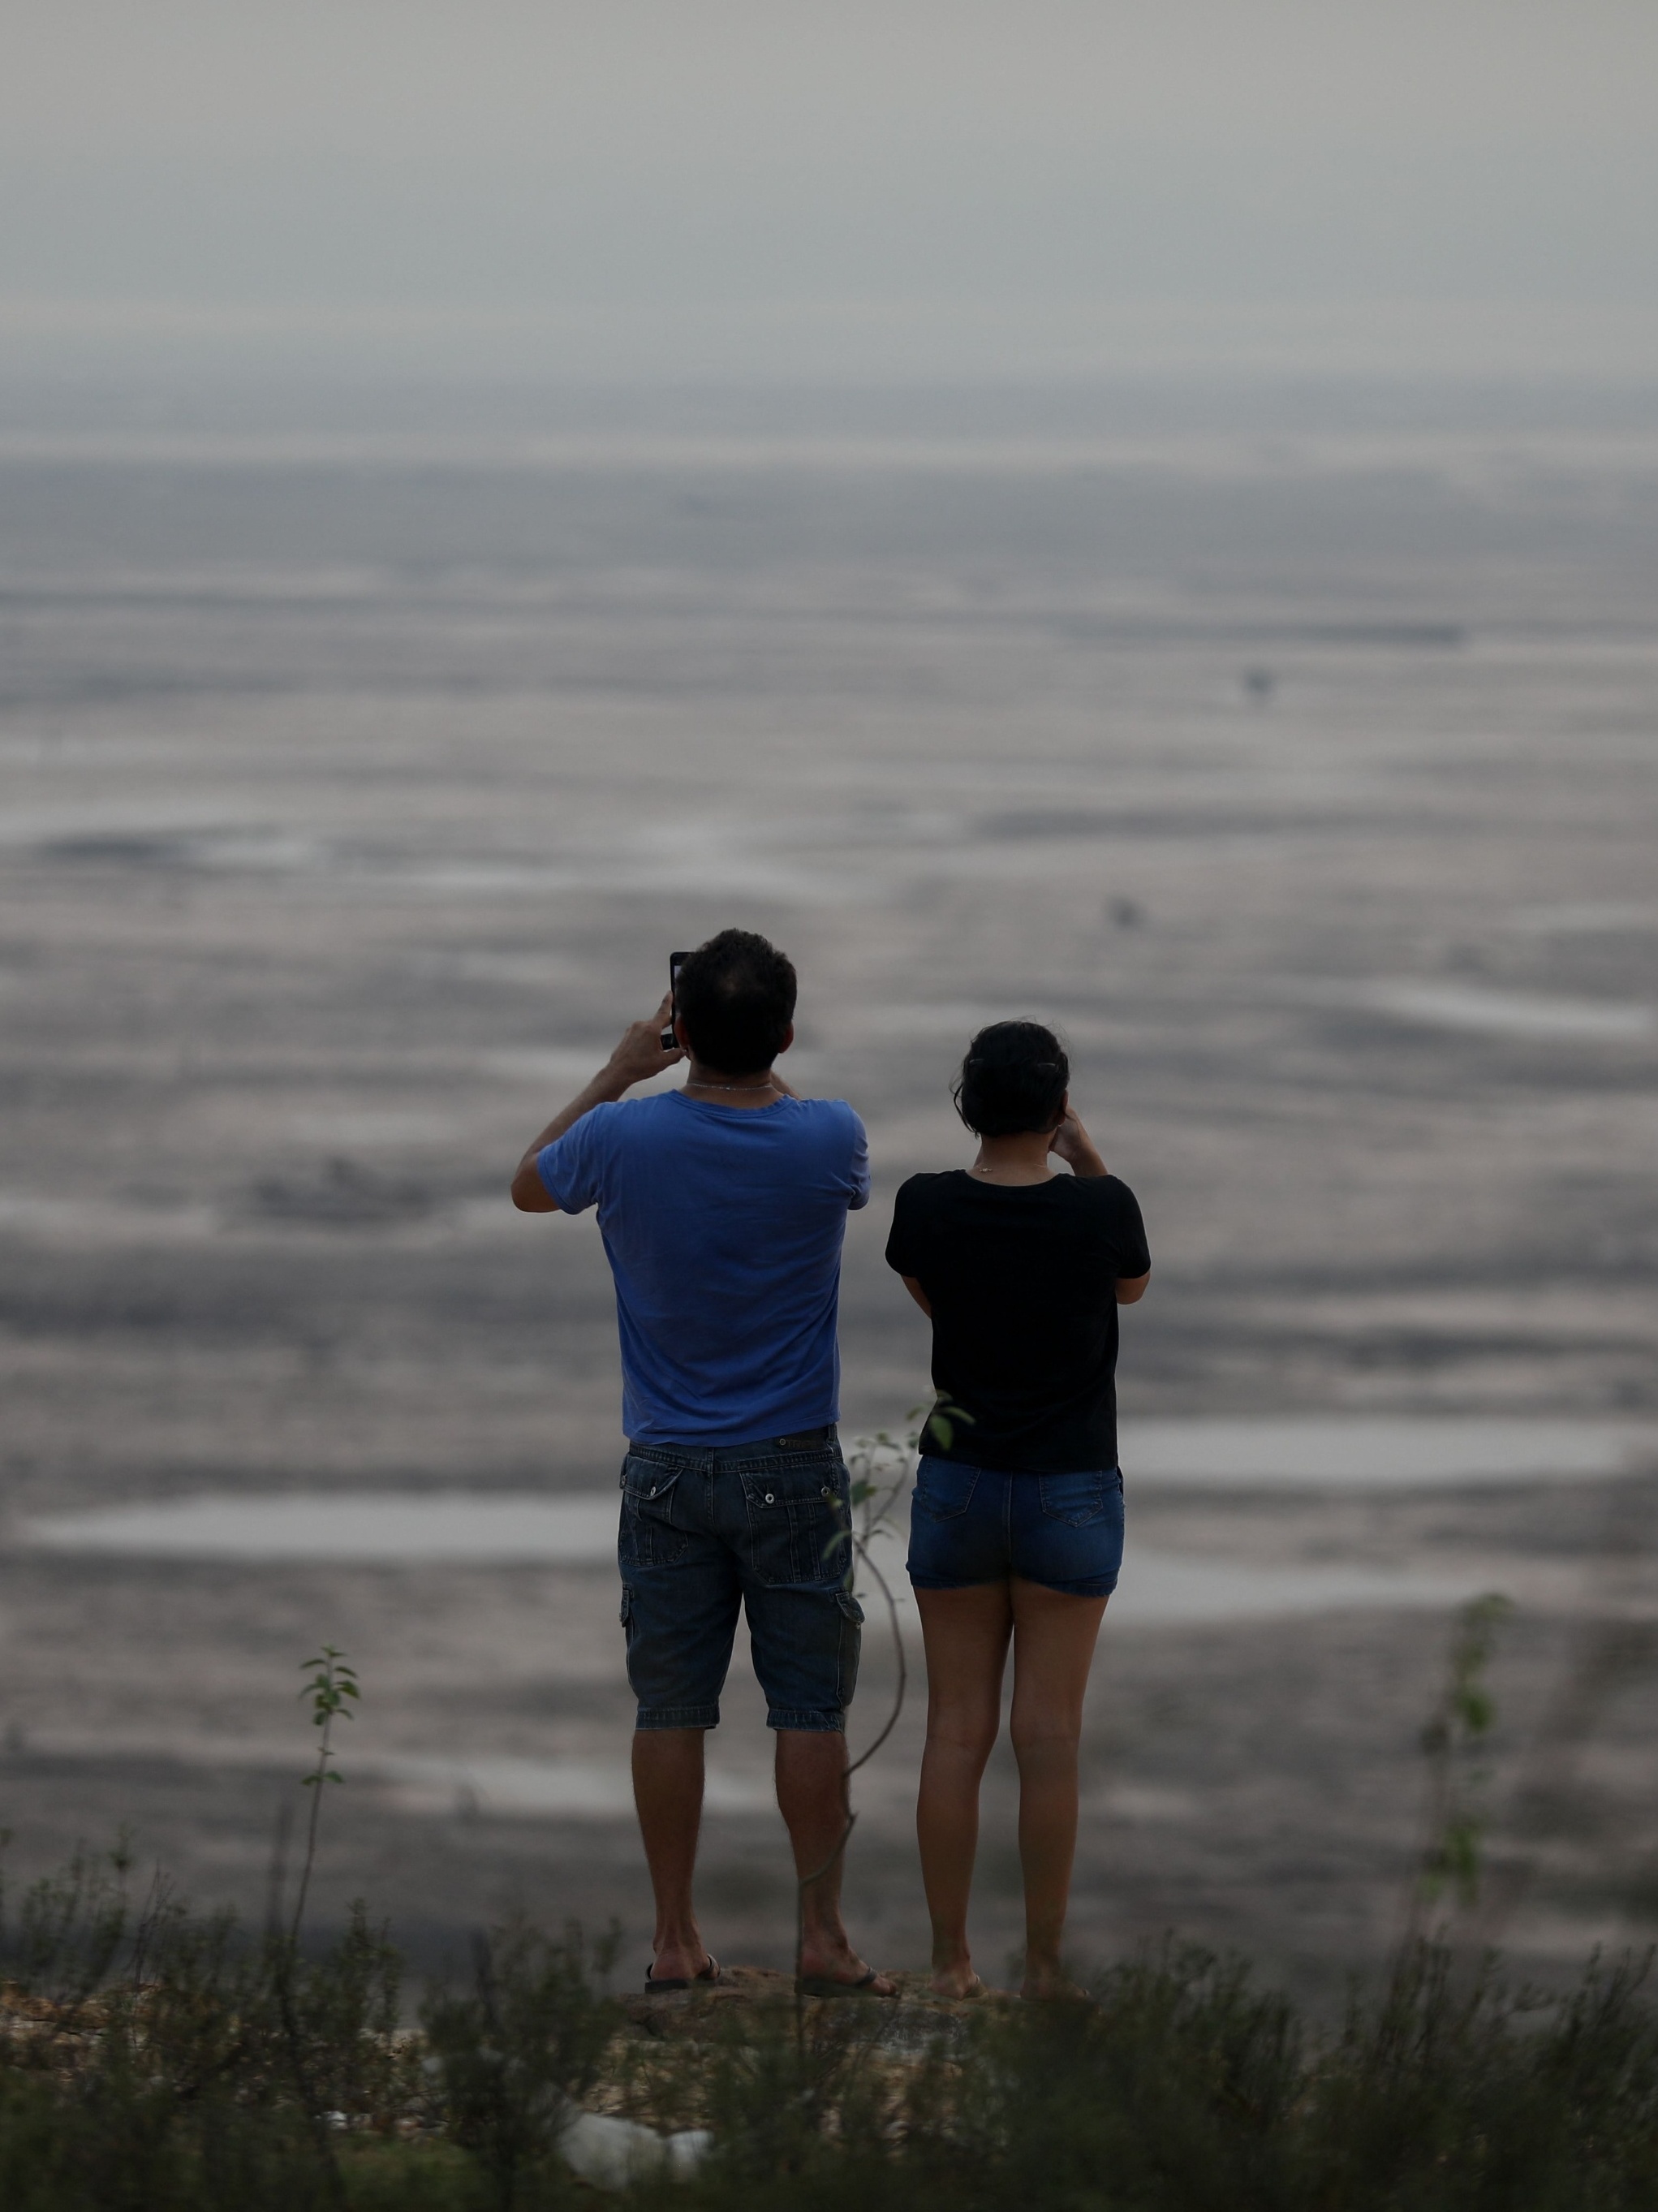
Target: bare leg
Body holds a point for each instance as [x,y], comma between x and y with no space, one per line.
[668,1793]
[1053,1639]
[811,1795]
[965,1633]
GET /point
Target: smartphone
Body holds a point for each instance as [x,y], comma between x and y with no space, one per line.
[676,961]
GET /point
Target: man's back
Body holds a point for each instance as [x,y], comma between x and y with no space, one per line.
[723,1207]
[723,1226]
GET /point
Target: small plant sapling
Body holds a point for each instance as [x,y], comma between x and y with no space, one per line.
[880,1466]
[330,1684]
[1452,1739]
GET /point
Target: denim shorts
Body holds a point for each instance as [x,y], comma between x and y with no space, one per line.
[709,1529]
[981,1524]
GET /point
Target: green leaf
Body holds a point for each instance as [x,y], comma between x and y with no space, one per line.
[1479,1709]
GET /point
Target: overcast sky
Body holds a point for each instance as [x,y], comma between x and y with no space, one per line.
[916,186]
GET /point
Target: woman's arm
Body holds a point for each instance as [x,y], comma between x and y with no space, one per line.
[1072,1143]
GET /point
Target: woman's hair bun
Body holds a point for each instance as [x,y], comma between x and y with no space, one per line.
[1012,1080]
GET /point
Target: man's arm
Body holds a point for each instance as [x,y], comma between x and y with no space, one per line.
[917,1294]
[1131,1289]
[635,1060]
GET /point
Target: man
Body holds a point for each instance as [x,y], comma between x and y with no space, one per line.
[723,1207]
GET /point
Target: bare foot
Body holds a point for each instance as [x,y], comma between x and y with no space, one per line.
[957,1983]
[1047,1985]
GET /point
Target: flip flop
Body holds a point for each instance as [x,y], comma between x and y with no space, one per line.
[820,1986]
[709,1973]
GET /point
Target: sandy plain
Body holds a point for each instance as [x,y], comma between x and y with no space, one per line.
[353,792]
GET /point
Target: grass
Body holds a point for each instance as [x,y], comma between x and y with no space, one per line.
[155,2060]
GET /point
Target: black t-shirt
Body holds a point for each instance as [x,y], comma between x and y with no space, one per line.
[1023,1283]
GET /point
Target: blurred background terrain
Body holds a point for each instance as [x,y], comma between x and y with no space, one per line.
[1243,654]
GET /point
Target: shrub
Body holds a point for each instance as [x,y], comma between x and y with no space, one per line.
[151,2061]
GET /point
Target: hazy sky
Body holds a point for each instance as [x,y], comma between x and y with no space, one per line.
[907,185]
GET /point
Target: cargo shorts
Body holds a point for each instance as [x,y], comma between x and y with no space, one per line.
[764,1529]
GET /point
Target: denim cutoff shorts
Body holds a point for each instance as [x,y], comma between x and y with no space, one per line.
[706,1530]
[981,1524]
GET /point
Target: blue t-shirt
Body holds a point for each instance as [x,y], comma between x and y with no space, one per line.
[723,1226]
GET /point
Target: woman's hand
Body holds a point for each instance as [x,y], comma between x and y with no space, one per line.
[1072,1143]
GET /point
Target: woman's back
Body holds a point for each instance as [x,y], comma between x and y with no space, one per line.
[1016,1528]
[1022,1279]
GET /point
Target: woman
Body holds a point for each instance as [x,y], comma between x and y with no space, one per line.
[1016,1527]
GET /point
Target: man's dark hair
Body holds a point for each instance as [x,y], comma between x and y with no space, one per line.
[1012,1079]
[736,997]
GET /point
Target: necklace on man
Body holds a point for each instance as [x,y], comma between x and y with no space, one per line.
[693,1083]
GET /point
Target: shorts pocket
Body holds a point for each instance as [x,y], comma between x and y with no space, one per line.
[799,1524]
[943,1489]
[649,1536]
[1079,1500]
[851,1646]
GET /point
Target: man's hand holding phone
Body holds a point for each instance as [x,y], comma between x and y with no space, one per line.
[641,1053]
